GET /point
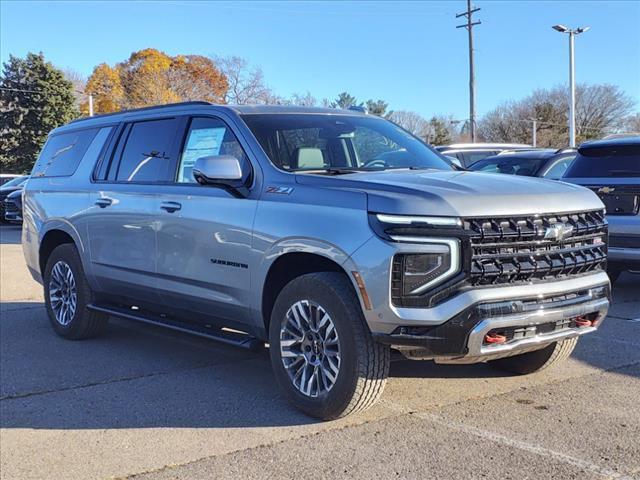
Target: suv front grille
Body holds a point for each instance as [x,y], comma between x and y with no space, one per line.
[507,250]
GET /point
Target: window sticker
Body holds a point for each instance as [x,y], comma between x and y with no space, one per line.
[202,142]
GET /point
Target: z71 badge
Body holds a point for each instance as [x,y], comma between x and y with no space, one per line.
[279,190]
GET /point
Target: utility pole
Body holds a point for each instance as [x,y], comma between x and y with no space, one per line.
[472,78]
[91,104]
[534,133]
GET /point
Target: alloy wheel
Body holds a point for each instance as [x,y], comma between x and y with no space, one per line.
[63,295]
[309,348]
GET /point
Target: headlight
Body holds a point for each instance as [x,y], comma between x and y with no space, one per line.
[416,272]
[420,270]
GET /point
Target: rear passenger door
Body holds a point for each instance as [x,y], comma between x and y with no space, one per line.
[125,207]
[204,232]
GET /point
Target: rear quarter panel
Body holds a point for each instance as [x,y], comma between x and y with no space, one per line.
[60,203]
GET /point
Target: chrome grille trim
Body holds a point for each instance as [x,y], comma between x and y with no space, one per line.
[508,250]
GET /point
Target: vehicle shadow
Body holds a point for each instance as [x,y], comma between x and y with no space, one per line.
[10,234]
[141,376]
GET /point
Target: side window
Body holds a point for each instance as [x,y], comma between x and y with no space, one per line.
[207,137]
[556,171]
[146,156]
[62,153]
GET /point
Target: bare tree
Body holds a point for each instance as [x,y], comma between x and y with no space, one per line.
[79,81]
[600,109]
[411,121]
[632,124]
[303,100]
[246,83]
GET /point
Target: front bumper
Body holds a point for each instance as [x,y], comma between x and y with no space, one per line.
[523,325]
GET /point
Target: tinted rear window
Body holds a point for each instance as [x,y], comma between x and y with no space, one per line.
[509,165]
[146,156]
[618,161]
[62,153]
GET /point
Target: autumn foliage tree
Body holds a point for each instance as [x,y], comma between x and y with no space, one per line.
[151,77]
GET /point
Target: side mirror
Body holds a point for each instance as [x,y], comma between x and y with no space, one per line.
[224,171]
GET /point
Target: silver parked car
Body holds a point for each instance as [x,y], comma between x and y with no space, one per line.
[332,235]
[470,153]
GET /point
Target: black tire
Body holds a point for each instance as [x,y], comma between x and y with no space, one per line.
[538,360]
[84,323]
[364,363]
[614,275]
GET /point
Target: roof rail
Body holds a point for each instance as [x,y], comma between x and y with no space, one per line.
[143,109]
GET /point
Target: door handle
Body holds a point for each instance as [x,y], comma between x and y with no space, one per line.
[104,202]
[170,206]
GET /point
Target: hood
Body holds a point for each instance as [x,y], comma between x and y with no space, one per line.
[466,194]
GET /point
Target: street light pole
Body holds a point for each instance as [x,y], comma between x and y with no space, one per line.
[572,94]
[572,79]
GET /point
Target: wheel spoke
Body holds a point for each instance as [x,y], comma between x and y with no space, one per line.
[309,348]
[63,296]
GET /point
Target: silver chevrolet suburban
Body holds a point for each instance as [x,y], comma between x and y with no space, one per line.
[332,235]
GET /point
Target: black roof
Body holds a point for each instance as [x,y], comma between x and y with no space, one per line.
[611,142]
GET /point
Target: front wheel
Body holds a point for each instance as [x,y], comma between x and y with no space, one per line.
[537,360]
[322,353]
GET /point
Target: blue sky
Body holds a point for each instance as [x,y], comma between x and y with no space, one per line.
[407,53]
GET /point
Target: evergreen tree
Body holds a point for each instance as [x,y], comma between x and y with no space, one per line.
[377,107]
[35,98]
[440,134]
[344,101]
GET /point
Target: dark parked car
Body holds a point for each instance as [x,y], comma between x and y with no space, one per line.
[11,186]
[13,207]
[611,168]
[533,163]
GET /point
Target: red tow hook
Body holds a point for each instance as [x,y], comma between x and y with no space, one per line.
[583,322]
[494,338]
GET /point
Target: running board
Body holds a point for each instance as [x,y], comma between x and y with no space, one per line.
[228,337]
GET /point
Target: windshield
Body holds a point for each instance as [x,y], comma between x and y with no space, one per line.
[617,161]
[15,182]
[317,142]
[510,165]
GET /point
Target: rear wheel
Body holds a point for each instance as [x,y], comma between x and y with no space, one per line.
[67,295]
[322,353]
[538,360]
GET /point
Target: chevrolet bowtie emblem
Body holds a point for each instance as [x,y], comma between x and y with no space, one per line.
[558,231]
[606,189]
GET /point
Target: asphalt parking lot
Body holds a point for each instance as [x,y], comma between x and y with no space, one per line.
[145,402]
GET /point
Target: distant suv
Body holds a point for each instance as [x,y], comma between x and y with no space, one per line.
[14,185]
[545,163]
[611,168]
[332,235]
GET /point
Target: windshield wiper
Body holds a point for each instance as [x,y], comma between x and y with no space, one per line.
[336,170]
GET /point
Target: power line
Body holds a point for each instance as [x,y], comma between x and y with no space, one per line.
[37,91]
[20,90]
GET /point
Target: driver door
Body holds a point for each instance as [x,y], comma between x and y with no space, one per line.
[204,233]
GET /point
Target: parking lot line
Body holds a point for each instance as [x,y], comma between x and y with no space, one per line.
[511,442]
